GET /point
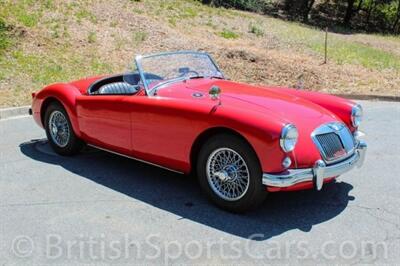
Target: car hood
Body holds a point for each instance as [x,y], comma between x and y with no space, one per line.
[289,108]
[270,104]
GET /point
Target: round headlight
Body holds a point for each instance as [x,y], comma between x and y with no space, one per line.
[289,136]
[356,115]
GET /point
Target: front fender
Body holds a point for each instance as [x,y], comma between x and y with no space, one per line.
[63,93]
[339,106]
[261,129]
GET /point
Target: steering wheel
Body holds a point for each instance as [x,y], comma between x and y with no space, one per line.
[186,72]
[150,78]
[192,71]
[131,78]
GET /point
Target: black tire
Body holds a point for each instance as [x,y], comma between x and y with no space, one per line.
[255,193]
[73,143]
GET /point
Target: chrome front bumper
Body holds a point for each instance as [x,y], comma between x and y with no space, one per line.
[318,173]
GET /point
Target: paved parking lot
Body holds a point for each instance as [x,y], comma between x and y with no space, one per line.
[100,208]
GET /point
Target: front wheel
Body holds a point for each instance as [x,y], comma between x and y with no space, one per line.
[59,131]
[230,174]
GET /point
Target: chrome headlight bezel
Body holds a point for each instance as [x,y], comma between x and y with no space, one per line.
[289,137]
[356,115]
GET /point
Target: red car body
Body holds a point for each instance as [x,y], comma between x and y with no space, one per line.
[167,129]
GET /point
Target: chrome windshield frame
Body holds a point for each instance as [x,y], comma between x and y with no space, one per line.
[150,92]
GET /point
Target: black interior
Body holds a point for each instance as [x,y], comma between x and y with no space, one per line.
[118,84]
[122,84]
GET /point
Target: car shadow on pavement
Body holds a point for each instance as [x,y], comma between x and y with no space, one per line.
[181,195]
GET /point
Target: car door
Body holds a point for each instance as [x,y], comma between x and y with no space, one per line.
[163,130]
[104,121]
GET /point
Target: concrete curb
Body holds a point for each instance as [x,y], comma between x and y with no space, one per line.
[13,112]
[370,97]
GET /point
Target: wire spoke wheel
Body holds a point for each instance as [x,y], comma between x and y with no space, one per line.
[227,174]
[59,129]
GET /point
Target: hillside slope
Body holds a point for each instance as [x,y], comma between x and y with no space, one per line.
[52,40]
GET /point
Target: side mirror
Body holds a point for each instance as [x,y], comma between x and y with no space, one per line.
[214,92]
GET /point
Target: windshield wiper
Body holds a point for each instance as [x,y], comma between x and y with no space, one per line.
[211,77]
[196,77]
[217,77]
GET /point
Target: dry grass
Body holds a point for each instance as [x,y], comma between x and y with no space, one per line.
[58,40]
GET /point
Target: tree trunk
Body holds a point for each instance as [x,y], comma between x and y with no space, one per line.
[371,7]
[288,5]
[359,5]
[397,19]
[307,7]
[349,12]
[395,25]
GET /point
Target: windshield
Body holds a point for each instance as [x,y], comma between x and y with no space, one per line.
[157,70]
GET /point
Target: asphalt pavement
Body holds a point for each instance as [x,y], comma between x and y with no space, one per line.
[100,208]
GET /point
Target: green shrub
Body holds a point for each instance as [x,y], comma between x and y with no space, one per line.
[228,34]
[4,40]
[21,13]
[139,37]
[92,37]
[256,29]
[85,14]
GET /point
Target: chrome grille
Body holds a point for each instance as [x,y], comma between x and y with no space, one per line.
[331,145]
[334,141]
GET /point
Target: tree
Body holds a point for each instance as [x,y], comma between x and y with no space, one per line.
[287,5]
[307,7]
[360,3]
[396,21]
[370,8]
[299,9]
[371,15]
[349,12]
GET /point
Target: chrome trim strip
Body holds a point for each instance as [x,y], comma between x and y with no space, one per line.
[136,159]
[318,173]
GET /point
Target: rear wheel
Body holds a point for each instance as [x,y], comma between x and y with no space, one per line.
[59,131]
[230,174]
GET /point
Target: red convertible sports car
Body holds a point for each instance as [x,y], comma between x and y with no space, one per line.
[177,111]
